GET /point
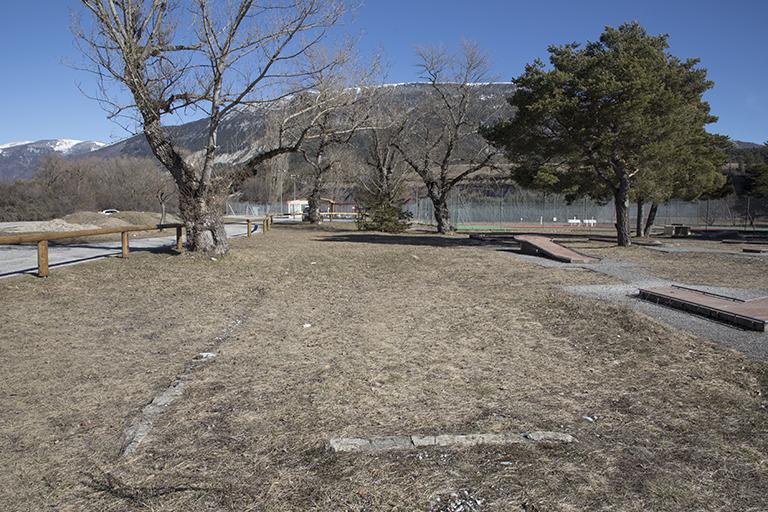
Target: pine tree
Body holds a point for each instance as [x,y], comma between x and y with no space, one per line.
[615,113]
[694,171]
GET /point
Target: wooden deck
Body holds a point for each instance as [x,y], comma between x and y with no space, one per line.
[540,245]
[751,241]
[749,314]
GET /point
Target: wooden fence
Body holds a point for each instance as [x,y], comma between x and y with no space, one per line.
[42,238]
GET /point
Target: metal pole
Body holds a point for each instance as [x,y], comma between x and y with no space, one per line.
[501,208]
[746,217]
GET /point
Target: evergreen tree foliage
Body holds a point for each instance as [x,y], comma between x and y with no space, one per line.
[384,216]
[616,114]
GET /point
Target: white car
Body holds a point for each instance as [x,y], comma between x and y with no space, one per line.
[110,211]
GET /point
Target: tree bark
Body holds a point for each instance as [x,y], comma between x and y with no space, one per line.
[651,218]
[639,220]
[621,199]
[204,223]
[202,206]
[442,214]
[314,207]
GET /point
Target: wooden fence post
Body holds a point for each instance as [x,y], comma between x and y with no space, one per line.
[124,244]
[42,258]
[179,242]
[248,227]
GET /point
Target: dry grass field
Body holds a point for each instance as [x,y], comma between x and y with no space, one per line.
[332,333]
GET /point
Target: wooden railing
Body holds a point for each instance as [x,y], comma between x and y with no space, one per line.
[340,215]
[42,238]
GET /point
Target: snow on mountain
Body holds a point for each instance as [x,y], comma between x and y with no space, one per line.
[19,160]
[64,145]
[12,144]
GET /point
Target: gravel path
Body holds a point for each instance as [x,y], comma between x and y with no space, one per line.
[705,250]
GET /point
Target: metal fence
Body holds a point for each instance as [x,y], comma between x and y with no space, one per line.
[259,209]
[529,207]
[252,209]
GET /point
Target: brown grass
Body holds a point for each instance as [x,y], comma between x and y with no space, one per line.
[409,334]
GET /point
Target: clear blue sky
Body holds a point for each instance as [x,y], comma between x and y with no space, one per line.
[39,98]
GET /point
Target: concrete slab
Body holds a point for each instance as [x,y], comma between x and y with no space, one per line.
[360,444]
[540,245]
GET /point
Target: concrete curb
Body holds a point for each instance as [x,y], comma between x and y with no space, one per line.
[360,444]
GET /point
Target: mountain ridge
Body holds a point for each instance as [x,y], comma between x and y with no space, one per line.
[20,160]
[241,131]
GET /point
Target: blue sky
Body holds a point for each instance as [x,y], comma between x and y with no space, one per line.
[39,97]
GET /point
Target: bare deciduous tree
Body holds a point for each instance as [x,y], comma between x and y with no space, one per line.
[328,148]
[163,194]
[384,168]
[443,145]
[215,58]
[62,186]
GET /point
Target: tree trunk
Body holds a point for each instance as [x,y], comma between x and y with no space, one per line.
[203,220]
[639,221]
[442,214]
[621,198]
[314,207]
[651,218]
[201,205]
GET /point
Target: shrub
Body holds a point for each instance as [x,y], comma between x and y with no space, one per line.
[384,217]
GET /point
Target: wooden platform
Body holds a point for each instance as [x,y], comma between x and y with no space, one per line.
[749,314]
[749,241]
[757,250]
[540,245]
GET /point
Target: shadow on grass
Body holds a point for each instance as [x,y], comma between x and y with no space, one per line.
[417,240]
[114,252]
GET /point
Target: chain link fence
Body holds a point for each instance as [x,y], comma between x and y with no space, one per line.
[529,207]
[249,209]
[470,211]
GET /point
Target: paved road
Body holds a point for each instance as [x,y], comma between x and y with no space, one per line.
[22,259]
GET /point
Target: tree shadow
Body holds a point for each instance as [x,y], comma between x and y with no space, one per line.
[114,253]
[412,240]
[116,248]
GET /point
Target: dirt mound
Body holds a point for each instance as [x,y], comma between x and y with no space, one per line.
[42,226]
[141,218]
[94,219]
[118,219]
[87,220]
